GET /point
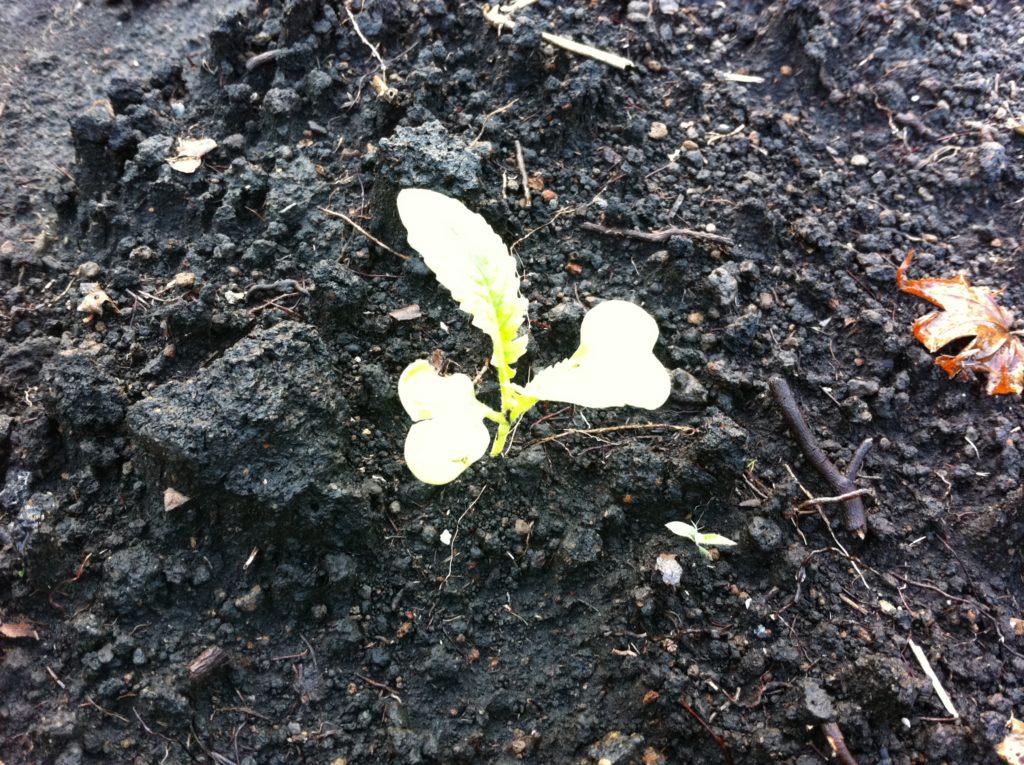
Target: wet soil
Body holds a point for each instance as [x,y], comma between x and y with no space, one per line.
[291,598]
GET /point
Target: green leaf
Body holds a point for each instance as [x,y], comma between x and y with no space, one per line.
[449,434]
[614,365]
[472,261]
[694,534]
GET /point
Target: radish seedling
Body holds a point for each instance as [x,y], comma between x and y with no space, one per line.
[613,366]
[703,541]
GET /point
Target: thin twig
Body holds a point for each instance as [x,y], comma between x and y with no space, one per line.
[662,235]
[722,743]
[837,743]
[264,57]
[90,703]
[378,684]
[926,665]
[499,20]
[522,173]
[684,429]
[815,501]
[455,535]
[363,231]
[487,118]
[367,43]
[855,520]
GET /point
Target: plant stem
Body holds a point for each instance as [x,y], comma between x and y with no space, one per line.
[500,437]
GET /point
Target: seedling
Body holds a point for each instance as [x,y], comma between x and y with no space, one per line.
[613,366]
[703,541]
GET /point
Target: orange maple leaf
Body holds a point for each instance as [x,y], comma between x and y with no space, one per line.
[968,311]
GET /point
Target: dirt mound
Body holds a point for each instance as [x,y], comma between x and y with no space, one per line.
[753,180]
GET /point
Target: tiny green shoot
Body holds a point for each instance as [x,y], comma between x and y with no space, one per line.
[613,366]
[703,541]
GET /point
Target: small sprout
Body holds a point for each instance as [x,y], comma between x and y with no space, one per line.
[703,541]
[614,365]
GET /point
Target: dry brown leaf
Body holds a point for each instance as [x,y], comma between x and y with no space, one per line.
[190,154]
[968,312]
[1011,748]
[408,313]
[16,630]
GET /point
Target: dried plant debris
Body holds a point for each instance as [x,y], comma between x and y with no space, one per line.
[967,311]
[1011,748]
[173,499]
[190,154]
[93,302]
[16,630]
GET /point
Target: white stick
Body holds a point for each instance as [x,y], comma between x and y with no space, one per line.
[500,21]
[947,702]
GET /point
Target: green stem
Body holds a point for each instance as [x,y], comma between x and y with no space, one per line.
[499,439]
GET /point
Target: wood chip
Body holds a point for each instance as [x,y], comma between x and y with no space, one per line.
[750,79]
[947,702]
[173,499]
[206,663]
[190,154]
[15,630]
[408,313]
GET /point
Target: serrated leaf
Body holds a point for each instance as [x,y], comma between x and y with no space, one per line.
[473,263]
[968,312]
[614,365]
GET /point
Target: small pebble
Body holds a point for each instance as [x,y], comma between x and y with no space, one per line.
[658,131]
[859,160]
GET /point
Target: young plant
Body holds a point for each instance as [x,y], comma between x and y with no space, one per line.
[613,366]
[703,541]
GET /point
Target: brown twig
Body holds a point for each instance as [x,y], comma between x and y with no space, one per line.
[206,663]
[683,429]
[835,739]
[662,235]
[264,57]
[363,231]
[815,501]
[855,520]
[722,743]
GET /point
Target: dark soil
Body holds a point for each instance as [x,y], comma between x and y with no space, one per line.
[306,571]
